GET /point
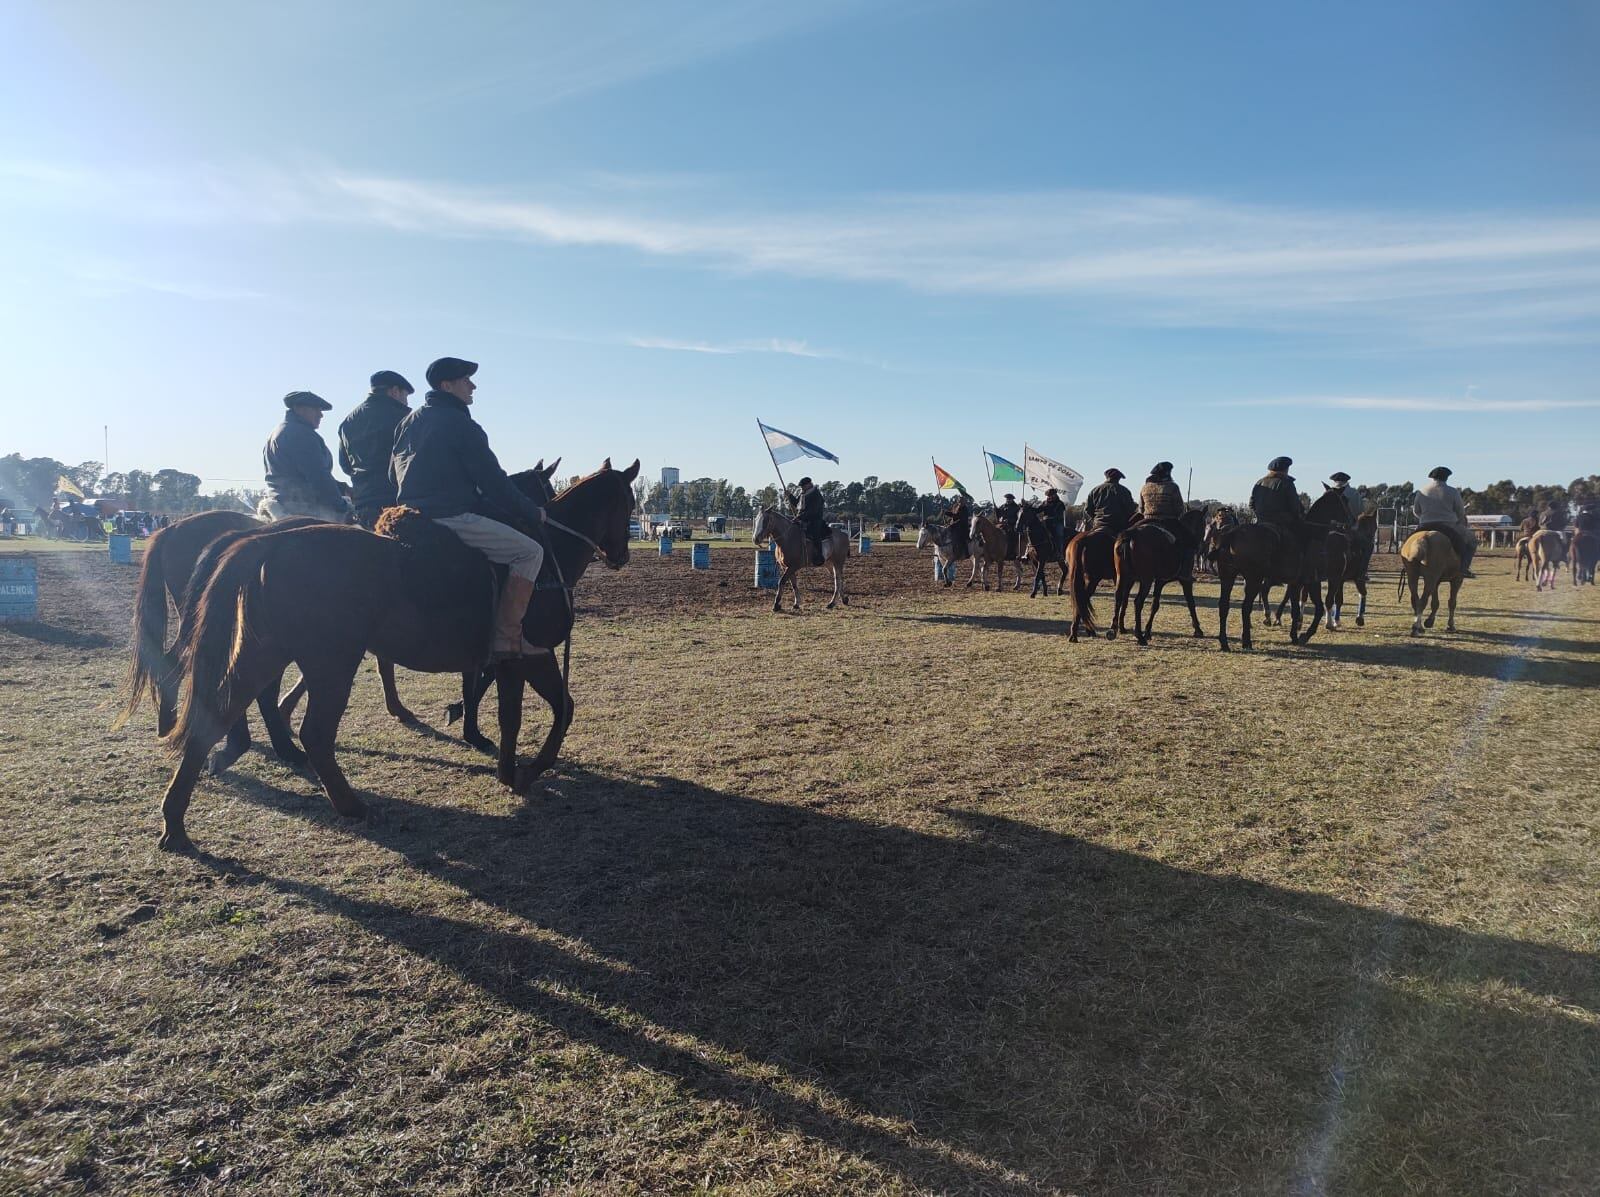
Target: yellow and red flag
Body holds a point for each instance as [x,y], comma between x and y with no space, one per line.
[945,480]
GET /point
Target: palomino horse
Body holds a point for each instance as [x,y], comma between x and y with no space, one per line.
[1549,550]
[1429,558]
[1265,555]
[990,547]
[165,577]
[1150,555]
[794,553]
[1089,562]
[944,552]
[323,596]
[1524,557]
[1043,548]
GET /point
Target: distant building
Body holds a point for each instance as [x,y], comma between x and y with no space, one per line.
[669,477]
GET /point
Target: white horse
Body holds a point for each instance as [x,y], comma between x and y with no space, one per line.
[794,553]
[944,561]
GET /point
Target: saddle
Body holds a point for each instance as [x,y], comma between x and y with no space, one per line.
[440,572]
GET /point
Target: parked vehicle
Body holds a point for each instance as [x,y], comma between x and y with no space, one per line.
[891,533]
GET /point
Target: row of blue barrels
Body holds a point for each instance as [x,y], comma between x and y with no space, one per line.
[19,588]
[766,560]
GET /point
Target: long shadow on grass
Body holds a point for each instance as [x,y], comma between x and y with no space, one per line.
[1445,652]
[45,633]
[1049,1014]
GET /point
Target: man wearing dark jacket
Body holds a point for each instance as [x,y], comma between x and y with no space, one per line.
[1006,517]
[1274,499]
[812,515]
[1161,503]
[1054,513]
[366,444]
[1109,506]
[299,467]
[443,467]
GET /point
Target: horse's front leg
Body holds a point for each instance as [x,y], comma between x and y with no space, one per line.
[1361,602]
[1314,589]
[1224,598]
[794,585]
[277,728]
[1455,589]
[1188,597]
[544,676]
[1138,610]
[508,678]
[777,598]
[474,686]
[1252,593]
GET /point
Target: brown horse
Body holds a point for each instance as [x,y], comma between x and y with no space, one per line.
[1585,554]
[794,553]
[323,596]
[1265,555]
[1429,558]
[1151,556]
[1349,556]
[1043,548]
[1549,550]
[165,578]
[991,546]
[1089,562]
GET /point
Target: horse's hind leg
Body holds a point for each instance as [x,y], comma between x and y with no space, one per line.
[1155,605]
[292,699]
[391,696]
[1361,603]
[474,686]
[509,677]
[328,694]
[175,802]
[234,745]
[1188,597]
[1224,598]
[1252,591]
[1455,589]
[278,733]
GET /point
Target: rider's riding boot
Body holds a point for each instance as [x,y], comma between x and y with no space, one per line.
[514,596]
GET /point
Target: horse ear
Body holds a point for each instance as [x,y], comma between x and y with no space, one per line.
[538,466]
[632,471]
[1325,486]
[551,469]
[605,465]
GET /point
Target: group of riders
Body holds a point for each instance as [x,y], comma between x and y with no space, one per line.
[1275,502]
[434,458]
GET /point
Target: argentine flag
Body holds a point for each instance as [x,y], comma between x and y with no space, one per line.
[785,446]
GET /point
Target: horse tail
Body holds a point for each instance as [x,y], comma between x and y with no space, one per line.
[1082,601]
[149,632]
[216,633]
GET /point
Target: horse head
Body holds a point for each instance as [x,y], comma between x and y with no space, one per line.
[1329,508]
[598,508]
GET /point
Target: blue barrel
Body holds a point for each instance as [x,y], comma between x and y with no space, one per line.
[766,569]
[864,545]
[19,588]
[665,548]
[121,548]
[700,555]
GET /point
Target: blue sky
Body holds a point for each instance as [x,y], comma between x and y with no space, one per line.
[1365,235]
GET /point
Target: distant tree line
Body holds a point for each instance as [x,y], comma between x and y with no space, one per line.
[1499,498]
[29,482]
[869,499]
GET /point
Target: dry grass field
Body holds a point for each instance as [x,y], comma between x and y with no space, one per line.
[911,897]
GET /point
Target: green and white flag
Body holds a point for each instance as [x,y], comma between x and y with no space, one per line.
[1001,470]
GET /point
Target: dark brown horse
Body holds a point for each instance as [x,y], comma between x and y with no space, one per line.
[1150,556]
[1044,547]
[1349,556]
[1089,562]
[165,578]
[1265,555]
[324,596]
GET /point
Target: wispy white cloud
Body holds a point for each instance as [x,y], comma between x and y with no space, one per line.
[117,278]
[1431,278]
[1414,403]
[780,345]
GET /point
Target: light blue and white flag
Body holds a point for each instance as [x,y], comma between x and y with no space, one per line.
[785,446]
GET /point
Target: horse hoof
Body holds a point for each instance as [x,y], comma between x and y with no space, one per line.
[403,715]
[453,712]
[482,743]
[1223,645]
[218,763]
[1361,621]
[294,758]
[351,808]
[176,840]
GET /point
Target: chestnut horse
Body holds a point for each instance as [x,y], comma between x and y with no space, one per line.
[1585,554]
[1349,556]
[1150,556]
[1089,562]
[1549,550]
[165,577]
[324,596]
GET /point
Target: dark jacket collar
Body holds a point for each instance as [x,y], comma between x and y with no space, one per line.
[290,416]
[447,400]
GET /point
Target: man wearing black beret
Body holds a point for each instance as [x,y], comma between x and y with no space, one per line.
[299,467]
[443,467]
[366,443]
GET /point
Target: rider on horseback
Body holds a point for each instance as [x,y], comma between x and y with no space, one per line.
[812,515]
[959,521]
[1439,508]
[1554,517]
[1276,503]
[444,468]
[366,443]
[1161,503]
[1110,505]
[1054,513]
[1006,517]
[1353,501]
[299,467]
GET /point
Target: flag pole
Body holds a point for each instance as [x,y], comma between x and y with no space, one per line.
[783,487]
[989,473]
[1189,489]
